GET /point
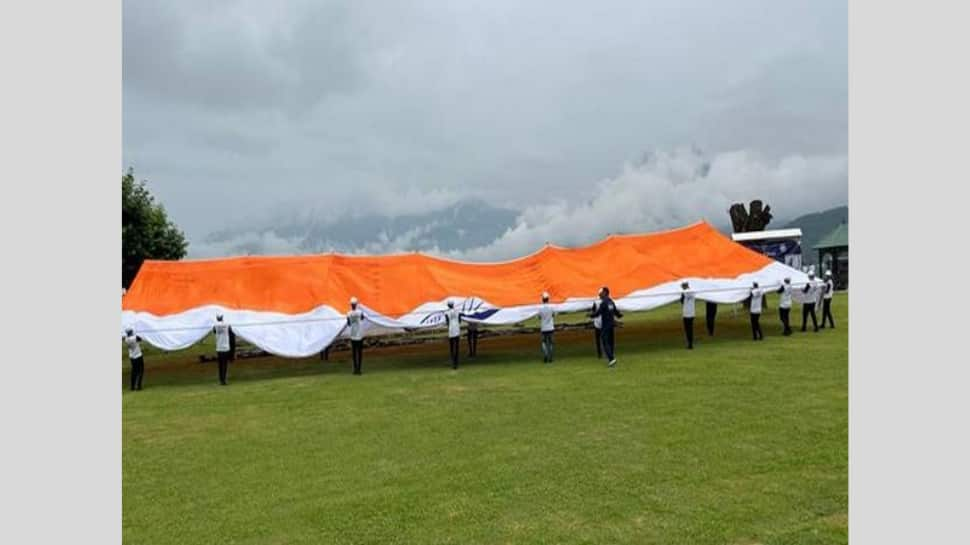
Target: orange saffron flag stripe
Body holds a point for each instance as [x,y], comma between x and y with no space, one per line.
[397,284]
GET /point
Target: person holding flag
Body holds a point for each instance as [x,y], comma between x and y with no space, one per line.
[809,296]
[709,316]
[546,327]
[607,311]
[755,302]
[472,335]
[597,329]
[135,357]
[827,292]
[687,310]
[784,305]
[453,319]
[221,330]
[355,319]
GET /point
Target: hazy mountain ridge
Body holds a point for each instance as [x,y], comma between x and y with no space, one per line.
[466,224]
[456,229]
[814,227]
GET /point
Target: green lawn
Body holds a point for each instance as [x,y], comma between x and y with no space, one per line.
[735,442]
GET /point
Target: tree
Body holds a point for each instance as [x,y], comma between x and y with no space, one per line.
[146,231]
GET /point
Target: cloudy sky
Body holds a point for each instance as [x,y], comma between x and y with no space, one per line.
[586,117]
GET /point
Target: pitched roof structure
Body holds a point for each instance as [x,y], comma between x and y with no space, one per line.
[836,238]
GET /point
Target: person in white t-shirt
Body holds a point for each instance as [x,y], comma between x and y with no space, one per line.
[546,327]
[597,328]
[453,319]
[784,305]
[135,357]
[756,300]
[810,294]
[687,298]
[355,318]
[828,290]
[223,347]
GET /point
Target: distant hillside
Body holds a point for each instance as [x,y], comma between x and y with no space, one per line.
[465,224]
[814,227]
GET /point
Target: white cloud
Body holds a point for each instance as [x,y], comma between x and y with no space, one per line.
[671,189]
[233,107]
[664,189]
[251,243]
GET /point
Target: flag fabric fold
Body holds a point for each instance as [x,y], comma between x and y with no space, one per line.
[294,306]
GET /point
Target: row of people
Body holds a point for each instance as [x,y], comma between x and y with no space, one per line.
[813,291]
[603,313]
[225,338]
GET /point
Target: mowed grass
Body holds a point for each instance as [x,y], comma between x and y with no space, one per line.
[735,442]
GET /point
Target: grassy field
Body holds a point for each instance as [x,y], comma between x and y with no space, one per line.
[735,442]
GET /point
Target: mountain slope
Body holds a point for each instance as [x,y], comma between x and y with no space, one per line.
[814,227]
[466,224]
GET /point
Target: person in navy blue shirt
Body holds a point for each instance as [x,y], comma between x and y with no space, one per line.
[607,311]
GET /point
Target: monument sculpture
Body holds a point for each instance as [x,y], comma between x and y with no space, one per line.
[755,218]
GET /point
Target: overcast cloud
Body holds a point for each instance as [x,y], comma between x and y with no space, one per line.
[234,109]
[671,190]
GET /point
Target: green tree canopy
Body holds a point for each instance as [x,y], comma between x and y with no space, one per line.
[146,231]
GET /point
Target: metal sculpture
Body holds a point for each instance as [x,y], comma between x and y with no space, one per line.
[755,218]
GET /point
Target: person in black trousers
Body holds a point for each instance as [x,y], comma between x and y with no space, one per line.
[453,320]
[472,333]
[607,311]
[687,307]
[547,327]
[232,345]
[829,289]
[810,292]
[784,306]
[355,319]
[755,301]
[135,357]
[710,315]
[597,329]
[221,331]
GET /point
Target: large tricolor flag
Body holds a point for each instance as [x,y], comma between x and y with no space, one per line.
[294,306]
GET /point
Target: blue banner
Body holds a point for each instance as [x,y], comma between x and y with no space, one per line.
[787,251]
